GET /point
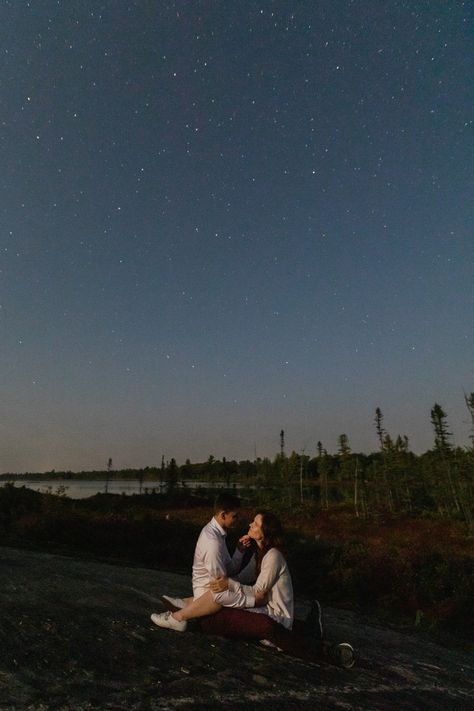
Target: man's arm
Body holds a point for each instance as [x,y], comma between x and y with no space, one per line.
[215,560]
[235,563]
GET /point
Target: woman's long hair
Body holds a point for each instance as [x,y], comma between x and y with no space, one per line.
[273,536]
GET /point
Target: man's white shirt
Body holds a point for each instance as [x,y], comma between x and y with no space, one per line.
[212,559]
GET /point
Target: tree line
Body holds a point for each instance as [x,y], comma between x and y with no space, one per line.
[392,479]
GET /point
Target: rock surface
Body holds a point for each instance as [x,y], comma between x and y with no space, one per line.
[76,635]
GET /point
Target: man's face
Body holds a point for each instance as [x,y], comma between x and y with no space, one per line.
[229,519]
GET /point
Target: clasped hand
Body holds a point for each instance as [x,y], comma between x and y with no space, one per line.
[219,584]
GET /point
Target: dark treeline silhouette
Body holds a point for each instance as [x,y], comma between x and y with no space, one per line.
[392,479]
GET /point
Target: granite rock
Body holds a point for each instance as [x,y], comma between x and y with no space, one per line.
[76,635]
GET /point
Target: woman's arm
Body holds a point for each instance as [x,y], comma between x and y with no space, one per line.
[257,594]
[270,570]
[257,599]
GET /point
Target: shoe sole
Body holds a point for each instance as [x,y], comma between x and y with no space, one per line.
[343,655]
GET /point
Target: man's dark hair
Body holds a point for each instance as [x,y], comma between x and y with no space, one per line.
[226,502]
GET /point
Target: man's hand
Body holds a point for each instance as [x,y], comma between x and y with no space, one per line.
[219,584]
[261,597]
[244,543]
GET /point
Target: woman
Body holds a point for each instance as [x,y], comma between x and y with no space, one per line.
[267,570]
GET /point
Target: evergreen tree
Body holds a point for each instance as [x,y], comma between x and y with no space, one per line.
[292,475]
[444,448]
[439,420]
[386,443]
[345,469]
[343,446]
[401,444]
[386,447]
[470,406]
[323,470]
[171,476]
[282,443]
[381,433]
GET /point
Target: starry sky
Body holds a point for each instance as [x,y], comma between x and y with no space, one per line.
[223,219]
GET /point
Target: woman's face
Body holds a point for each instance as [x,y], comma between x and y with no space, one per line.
[255,528]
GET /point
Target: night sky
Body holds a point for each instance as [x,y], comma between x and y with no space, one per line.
[223,219]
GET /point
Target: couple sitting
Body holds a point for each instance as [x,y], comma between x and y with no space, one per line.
[254,601]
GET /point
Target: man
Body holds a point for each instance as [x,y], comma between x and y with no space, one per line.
[213,560]
[211,556]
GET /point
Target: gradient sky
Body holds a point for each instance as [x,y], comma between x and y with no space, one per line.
[223,219]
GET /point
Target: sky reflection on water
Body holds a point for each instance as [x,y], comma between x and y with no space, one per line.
[82,488]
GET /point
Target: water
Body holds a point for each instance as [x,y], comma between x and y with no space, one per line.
[83,488]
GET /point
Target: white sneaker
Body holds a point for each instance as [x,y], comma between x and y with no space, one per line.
[166,619]
[175,601]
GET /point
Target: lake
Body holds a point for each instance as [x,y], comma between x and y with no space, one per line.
[83,488]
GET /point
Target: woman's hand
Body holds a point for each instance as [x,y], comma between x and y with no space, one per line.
[261,597]
[244,543]
[219,584]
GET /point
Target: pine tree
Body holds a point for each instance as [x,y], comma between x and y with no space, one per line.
[381,433]
[343,446]
[386,447]
[444,448]
[439,420]
[171,476]
[469,399]
[323,466]
[282,443]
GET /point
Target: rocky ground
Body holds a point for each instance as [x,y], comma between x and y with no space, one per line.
[76,635]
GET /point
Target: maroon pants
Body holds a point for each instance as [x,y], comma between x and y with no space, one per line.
[240,624]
